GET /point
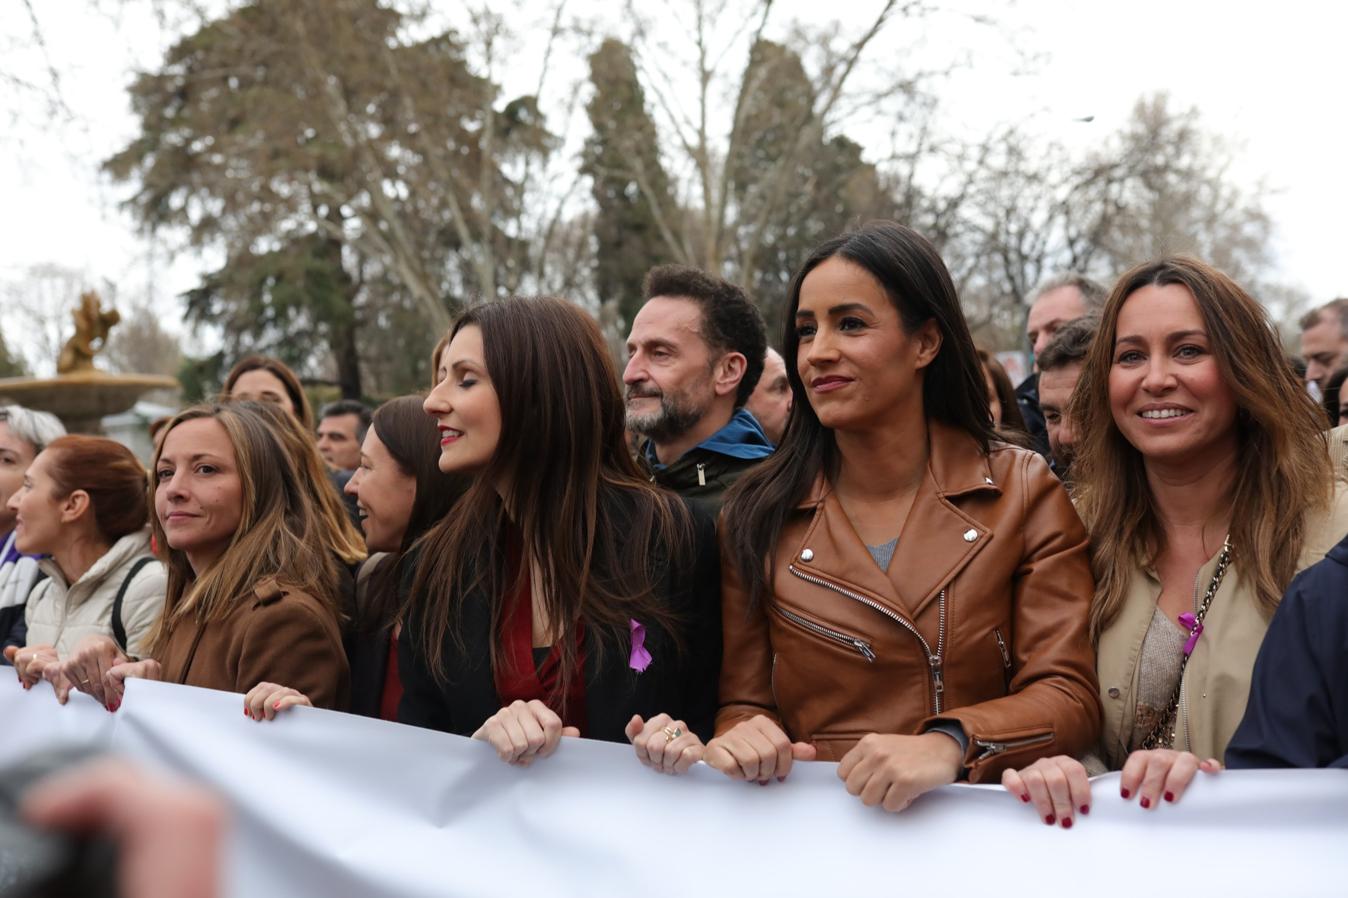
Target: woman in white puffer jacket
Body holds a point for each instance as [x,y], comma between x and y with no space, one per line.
[84,504]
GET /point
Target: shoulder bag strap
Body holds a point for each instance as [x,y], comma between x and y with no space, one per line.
[118,628]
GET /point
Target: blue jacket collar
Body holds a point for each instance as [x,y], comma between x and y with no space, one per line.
[741,438]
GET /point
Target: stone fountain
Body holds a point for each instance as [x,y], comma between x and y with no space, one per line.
[80,394]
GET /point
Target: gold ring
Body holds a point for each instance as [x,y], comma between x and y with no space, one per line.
[84,682]
[672,733]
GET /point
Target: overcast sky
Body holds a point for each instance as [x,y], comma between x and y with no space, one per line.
[1268,76]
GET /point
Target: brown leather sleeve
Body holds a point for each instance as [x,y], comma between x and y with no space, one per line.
[746,659]
[294,642]
[1054,703]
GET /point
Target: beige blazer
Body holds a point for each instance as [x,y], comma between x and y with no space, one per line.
[1217,679]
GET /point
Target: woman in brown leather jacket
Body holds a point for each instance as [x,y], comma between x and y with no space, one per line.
[902,594]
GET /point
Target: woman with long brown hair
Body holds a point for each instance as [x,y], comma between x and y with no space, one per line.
[251,582]
[1204,479]
[566,595]
[401,493]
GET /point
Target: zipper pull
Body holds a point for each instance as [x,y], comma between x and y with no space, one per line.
[1001,647]
[866,651]
[989,748]
[701,475]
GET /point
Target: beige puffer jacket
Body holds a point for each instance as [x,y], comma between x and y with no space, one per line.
[62,614]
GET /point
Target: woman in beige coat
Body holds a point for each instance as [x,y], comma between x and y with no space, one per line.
[1205,482]
[83,505]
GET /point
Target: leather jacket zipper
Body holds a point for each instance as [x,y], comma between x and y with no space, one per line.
[860,646]
[1006,660]
[934,659]
[1001,647]
[991,748]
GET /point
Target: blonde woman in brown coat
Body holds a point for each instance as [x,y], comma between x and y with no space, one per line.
[1205,482]
[250,587]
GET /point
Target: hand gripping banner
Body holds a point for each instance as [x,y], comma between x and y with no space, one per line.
[328,804]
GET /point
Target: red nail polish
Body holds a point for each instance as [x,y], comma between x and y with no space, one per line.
[1170,797]
[1025,797]
[1085,809]
[781,779]
[1050,819]
[1125,793]
[247,713]
[1067,823]
[1145,802]
[276,707]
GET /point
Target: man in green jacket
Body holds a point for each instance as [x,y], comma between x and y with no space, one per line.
[695,354]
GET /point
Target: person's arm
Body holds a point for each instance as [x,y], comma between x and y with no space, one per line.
[1300,674]
[750,741]
[746,652]
[290,642]
[423,703]
[701,601]
[1054,703]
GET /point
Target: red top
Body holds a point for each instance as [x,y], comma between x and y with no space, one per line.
[520,679]
[393,687]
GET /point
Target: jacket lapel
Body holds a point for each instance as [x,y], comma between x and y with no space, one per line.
[936,541]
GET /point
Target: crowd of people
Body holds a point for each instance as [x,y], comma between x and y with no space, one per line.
[863,544]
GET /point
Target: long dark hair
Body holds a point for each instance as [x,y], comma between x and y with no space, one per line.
[578,503]
[413,443]
[917,282]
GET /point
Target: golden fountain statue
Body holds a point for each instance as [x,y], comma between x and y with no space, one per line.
[81,394]
[91,323]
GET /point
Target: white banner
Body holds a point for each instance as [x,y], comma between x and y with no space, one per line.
[329,804]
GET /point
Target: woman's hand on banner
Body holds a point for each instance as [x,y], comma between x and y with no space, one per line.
[756,749]
[664,744]
[523,731]
[1058,787]
[31,661]
[114,681]
[265,700]
[85,668]
[891,771]
[1161,774]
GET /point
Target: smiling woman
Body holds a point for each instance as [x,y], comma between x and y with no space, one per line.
[565,594]
[903,593]
[1205,481]
[251,582]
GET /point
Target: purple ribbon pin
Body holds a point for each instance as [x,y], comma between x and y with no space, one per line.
[1190,623]
[641,659]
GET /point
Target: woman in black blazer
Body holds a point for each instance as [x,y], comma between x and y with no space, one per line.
[566,594]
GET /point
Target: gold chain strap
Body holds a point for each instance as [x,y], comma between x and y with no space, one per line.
[1162,735]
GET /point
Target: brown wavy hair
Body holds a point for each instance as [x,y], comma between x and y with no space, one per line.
[1284,470]
[601,534]
[277,536]
[335,527]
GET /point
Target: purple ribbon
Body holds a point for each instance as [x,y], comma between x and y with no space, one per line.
[641,659]
[1190,623]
